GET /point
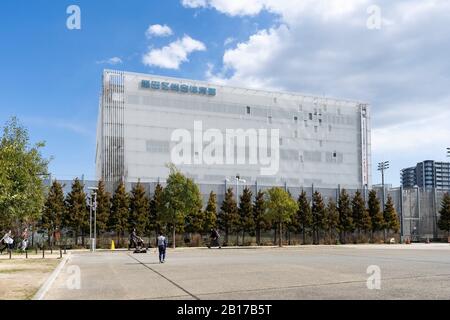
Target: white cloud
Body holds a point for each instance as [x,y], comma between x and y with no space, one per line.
[158,30]
[229,41]
[112,61]
[171,56]
[324,47]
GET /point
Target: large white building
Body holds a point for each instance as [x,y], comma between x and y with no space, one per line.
[147,121]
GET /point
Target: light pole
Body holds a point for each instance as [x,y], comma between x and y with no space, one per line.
[93,207]
[238,179]
[383,166]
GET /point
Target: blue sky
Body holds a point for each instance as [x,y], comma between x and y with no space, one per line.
[51,75]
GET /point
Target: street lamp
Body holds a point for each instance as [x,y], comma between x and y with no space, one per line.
[383,166]
[93,206]
[238,179]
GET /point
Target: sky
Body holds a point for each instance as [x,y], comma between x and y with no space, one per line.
[392,54]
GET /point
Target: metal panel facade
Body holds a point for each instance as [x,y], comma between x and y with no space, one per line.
[323,141]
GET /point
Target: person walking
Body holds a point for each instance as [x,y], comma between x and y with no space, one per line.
[162,246]
[214,239]
[8,241]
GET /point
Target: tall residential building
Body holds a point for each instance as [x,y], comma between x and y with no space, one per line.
[427,174]
[213,133]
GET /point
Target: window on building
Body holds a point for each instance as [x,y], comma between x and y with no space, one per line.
[295,119]
[310,116]
[269,119]
[248,110]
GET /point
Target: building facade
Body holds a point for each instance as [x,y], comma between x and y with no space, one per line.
[427,174]
[213,133]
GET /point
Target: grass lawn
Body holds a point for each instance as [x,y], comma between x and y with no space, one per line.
[20,279]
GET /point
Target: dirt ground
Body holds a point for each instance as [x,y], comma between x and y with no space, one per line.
[21,278]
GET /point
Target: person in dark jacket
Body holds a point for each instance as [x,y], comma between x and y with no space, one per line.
[214,238]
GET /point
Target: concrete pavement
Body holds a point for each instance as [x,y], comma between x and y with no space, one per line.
[307,272]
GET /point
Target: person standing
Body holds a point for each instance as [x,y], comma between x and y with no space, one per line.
[214,238]
[162,246]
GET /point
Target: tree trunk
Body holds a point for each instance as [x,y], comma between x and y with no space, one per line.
[275,235]
[280,240]
[173,235]
[226,236]
[304,235]
[237,238]
[243,238]
[258,236]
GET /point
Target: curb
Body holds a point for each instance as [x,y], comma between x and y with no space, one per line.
[48,283]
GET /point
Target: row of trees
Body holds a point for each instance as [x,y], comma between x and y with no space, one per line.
[178,208]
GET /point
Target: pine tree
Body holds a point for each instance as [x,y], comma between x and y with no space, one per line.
[228,213]
[155,211]
[139,208]
[246,213]
[361,217]
[375,213]
[304,215]
[52,215]
[332,220]
[318,214]
[118,221]
[258,215]
[390,217]
[77,210]
[444,219]
[210,214]
[103,208]
[345,215]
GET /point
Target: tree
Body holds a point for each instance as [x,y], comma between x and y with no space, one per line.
[318,214]
[390,217]
[181,198]
[120,205]
[22,192]
[444,219]
[210,214]
[53,212]
[156,208]
[77,210]
[304,215]
[228,213]
[361,216]
[258,215]
[375,213]
[345,215]
[281,209]
[332,219]
[139,208]
[103,208]
[246,213]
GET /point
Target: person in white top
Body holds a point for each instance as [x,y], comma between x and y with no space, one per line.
[162,245]
[8,241]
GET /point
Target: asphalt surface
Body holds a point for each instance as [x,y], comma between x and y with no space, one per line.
[419,271]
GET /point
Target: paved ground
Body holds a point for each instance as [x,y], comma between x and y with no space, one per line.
[323,272]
